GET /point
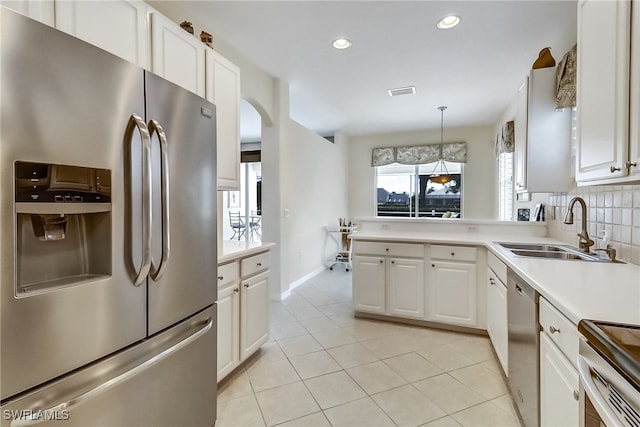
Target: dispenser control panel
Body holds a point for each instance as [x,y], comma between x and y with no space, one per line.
[53,183]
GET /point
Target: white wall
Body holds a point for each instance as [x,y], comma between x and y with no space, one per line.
[479,176]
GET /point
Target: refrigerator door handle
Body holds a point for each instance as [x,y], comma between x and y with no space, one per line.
[154,126]
[135,121]
[37,417]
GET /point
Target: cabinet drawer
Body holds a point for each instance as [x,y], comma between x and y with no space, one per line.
[498,267]
[411,250]
[255,264]
[227,273]
[560,330]
[453,253]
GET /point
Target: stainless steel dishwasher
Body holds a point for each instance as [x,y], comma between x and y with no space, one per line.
[523,331]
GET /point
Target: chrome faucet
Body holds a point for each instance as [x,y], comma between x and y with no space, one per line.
[585,242]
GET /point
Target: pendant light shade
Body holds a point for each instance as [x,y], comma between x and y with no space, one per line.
[440,174]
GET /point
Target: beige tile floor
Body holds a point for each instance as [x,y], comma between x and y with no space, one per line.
[324,367]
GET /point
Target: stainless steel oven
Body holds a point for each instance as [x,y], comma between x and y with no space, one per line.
[609,369]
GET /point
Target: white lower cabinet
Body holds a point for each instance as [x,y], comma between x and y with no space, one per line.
[369,284]
[243,310]
[406,287]
[497,318]
[558,387]
[453,285]
[254,316]
[559,341]
[390,280]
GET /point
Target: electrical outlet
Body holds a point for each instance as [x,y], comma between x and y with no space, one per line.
[384,226]
[472,228]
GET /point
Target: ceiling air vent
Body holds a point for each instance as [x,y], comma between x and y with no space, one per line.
[409,90]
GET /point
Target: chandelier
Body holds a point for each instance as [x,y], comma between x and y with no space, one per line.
[440,174]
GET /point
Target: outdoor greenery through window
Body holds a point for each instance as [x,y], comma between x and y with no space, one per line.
[407,191]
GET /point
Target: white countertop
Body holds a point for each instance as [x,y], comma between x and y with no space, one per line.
[579,289]
[231,250]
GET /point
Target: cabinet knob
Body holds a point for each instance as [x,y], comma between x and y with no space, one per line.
[553,329]
[246,285]
[236,290]
[576,395]
[614,169]
[259,264]
[491,281]
[386,249]
[453,254]
[393,262]
[220,277]
[630,164]
[381,261]
[433,265]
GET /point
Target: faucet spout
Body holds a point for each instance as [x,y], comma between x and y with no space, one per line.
[585,241]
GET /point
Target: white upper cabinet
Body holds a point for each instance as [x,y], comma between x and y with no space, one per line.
[223,89]
[117,26]
[604,34]
[177,55]
[40,10]
[542,135]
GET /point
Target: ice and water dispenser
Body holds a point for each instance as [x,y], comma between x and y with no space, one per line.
[63,226]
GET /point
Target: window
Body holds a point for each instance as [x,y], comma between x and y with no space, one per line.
[407,191]
[505,187]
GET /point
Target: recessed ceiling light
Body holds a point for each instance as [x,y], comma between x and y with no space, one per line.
[448,22]
[341,43]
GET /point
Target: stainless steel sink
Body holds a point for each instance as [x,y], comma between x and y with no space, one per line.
[549,251]
[533,247]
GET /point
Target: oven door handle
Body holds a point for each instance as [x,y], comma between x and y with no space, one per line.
[597,399]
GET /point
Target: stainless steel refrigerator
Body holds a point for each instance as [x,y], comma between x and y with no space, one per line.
[108,238]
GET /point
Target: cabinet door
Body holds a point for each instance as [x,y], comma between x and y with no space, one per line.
[497,318]
[254,314]
[177,55]
[520,134]
[117,26]
[369,284]
[228,329]
[223,89]
[406,287]
[558,387]
[40,10]
[602,89]
[453,293]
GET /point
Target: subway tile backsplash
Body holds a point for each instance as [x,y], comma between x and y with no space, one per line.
[614,210]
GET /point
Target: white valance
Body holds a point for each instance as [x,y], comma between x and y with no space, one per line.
[420,154]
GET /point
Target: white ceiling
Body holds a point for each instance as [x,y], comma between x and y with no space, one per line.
[475,69]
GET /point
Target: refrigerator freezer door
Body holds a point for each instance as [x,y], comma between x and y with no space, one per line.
[168,380]
[186,279]
[64,102]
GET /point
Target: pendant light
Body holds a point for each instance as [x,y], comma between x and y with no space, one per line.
[440,174]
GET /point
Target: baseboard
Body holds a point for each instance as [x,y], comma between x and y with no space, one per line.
[300,281]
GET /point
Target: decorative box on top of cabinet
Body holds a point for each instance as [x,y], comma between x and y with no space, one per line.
[542,136]
[608,92]
[119,27]
[223,89]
